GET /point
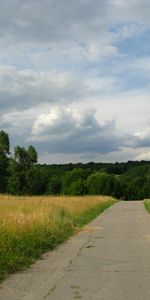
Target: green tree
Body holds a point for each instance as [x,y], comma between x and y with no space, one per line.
[14,180]
[23,178]
[4,152]
[54,185]
[101,184]
[4,142]
[74,182]
[36,183]
[134,189]
[32,155]
[78,187]
[21,155]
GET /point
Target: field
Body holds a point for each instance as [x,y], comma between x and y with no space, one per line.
[31,225]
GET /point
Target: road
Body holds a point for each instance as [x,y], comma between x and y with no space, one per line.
[108,260]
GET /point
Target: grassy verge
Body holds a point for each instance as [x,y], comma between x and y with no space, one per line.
[147,204]
[30,226]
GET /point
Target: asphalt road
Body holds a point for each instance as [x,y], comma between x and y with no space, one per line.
[109,260]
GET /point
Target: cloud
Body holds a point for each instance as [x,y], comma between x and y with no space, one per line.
[58,121]
[76,29]
[142,136]
[22,89]
[58,19]
[74,135]
[69,131]
[27,88]
[145,155]
[60,58]
[52,20]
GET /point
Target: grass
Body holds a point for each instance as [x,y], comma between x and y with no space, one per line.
[30,226]
[147,204]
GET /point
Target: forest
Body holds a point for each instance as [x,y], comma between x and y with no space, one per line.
[20,174]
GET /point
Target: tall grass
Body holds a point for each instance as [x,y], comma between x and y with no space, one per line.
[31,225]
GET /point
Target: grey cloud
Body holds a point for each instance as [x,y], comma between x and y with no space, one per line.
[18,125]
[51,20]
[75,29]
[65,131]
[141,138]
[69,131]
[75,133]
[141,142]
[26,88]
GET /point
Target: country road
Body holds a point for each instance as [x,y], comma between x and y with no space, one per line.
[109,260]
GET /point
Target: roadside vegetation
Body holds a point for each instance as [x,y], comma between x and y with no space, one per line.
[147,204]
[30,226]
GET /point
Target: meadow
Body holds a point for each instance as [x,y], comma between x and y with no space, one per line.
[30,226]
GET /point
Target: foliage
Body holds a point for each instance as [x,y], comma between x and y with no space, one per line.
[100,184]
[32,155]
[54,186]
[74,182]
[21,175]
[25,157]
[4,142]
[4,152]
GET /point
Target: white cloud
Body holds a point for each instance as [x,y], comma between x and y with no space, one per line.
[144,132]
[58,121]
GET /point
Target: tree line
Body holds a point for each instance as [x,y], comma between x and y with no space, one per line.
[20,174]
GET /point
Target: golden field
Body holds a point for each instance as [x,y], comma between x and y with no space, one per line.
[32,225]
[22,212]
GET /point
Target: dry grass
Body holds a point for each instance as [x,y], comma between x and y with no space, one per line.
[17,212]
[31,225]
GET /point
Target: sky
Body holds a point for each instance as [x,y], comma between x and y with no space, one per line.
[75,78]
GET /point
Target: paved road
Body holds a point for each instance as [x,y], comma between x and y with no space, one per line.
[109,260]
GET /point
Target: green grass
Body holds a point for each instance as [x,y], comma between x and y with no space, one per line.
[30,227]
[147,205]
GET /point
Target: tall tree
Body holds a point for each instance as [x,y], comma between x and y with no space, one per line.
[32,155]
[4,151]
[23,178]
[4,142]
[21,155]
